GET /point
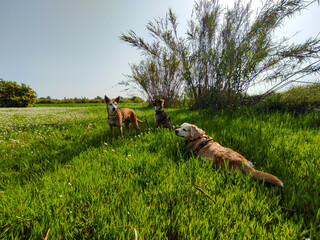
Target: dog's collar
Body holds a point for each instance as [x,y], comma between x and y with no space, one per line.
[121,113]
[115,115]
[192,140]
[202,144]
[159,110]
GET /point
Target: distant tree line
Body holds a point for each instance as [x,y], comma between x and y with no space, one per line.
[13,94]
[49,100]
[98,99]
[223,53]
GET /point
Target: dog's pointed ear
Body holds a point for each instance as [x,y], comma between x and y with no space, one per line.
[196,132]
[117,99]
[106,99]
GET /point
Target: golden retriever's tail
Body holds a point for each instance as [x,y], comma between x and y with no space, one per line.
[265,176]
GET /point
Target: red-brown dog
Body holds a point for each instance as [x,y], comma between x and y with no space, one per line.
[205,146]
[117,116]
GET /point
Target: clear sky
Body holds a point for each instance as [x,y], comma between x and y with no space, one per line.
[71,48]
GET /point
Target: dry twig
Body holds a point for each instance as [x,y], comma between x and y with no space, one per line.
[199,189]
[46,237]
[136,237]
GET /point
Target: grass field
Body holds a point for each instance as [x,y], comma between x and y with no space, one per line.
[60,179]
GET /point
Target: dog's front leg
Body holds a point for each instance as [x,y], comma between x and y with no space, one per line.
[120,130]
[111,130]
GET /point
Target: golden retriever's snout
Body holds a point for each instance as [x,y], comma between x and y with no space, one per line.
[176,131]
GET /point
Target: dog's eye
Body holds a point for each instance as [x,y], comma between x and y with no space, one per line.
[184,129]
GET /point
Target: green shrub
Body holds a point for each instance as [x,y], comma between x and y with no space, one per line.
[14,95]
[133,99]
[46,100]
[298,99]
[96,100]
[136,99]
[301,99]
[269,104]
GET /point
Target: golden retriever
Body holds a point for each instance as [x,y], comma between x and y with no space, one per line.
[205,146]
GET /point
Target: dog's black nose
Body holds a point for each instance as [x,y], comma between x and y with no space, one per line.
[176,131]
[114,109]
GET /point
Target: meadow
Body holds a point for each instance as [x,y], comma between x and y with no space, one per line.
[62,176]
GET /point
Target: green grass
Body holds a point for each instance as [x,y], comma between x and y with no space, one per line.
[59,178]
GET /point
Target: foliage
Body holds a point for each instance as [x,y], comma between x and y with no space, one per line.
[134,99]
[298,100]
[226,51]
[65,177]
[49,100]
[157,78]
[14,95]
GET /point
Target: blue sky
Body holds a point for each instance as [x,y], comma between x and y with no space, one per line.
[71,48]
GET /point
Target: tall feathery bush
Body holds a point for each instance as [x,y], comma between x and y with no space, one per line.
[225,51]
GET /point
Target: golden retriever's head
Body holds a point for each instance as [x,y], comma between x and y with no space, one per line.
[188,131]
[112,106]
[158,103]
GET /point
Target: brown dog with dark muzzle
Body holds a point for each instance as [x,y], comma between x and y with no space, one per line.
[117,116]
[205,146]
[161,117]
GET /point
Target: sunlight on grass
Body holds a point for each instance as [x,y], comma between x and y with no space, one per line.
[65,179]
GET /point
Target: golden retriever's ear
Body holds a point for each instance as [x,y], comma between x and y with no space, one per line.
[196,132]
[106,99]
[117,99]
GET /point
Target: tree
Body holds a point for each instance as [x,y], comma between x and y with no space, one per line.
[157,78]
[227,50]
[159,75]
[15,95]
